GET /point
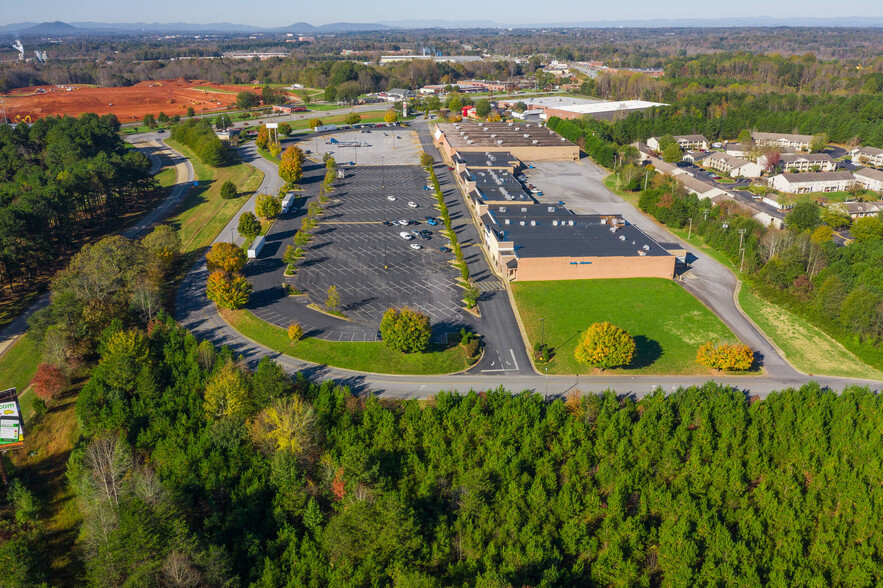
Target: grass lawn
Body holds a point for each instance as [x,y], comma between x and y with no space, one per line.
[630,197]
[43,463]
[808,348]
[203,213]
[667,322]
[166,177]
[367,117]
[361,356]
[19,363]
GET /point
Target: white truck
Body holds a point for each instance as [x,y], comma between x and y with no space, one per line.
[256,247]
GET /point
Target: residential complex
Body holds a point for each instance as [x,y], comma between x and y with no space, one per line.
[782,140]
[732,166]
[685,142]
[805,183]
[867,156]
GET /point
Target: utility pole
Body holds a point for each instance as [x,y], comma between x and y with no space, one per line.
[690,232]
[742,248]
[646,177]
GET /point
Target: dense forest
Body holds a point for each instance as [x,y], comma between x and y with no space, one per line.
[194,467]
[63,179]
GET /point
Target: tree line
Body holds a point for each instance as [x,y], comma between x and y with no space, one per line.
[63,179]
[195,465]
[201,138]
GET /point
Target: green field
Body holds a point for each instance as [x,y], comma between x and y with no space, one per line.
[667,322]
[203,214]
[19,363]
[360,356]
[809,349]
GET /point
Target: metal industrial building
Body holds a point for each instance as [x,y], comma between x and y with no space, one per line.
[526,141]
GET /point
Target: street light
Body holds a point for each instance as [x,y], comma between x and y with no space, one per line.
[690,232]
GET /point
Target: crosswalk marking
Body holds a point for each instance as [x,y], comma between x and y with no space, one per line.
[490,285]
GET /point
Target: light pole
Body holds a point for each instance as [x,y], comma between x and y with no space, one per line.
[690,232]
[742,248]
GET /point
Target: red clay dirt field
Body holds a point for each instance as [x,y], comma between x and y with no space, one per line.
[129,104]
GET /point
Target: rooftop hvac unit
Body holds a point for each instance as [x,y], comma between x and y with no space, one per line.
[517,128]
[533,223]
[502,209]
[554,223]
[521,223]
[646,248]
[526,136]
[622,237]
[641,253]
[552,209]
[535,141]
[510,124]
[570,222]
[506,221]
[523,209]
[469,142]
[492,136]
[499,141]
[563,139]
[633,242]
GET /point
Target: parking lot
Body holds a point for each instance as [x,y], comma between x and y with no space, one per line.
[371,265]
[376,146]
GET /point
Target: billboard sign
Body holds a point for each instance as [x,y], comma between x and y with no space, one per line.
[11,421]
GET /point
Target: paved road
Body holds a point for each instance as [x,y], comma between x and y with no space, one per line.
[151,145]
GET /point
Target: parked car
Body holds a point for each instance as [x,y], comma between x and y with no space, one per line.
[415,232]
[416,246]
[444,249]
[425,236]
[390,223]
[391,198]
[406,236]
[431,222]
[412,204]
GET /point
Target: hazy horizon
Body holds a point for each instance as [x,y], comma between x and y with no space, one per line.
[518,12]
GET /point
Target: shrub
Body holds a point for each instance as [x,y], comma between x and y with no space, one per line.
[471,348]
[405,330]
[725,356]
[295,332]
[228,190]
[605,345]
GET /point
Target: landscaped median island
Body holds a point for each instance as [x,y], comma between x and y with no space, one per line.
[667,323]
[808,349]
[357,356]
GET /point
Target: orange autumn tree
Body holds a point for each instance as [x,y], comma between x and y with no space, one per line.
[725,356]
[226,257]
[605,345]
[291,166]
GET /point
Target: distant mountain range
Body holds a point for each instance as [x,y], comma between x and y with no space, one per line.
[62,29]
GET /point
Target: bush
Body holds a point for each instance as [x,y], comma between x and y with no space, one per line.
[228,190]
[405,330]
[471,348]
[605,345]
[725,356]
[249,225]
[295,332]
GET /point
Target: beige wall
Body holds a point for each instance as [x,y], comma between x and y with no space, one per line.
[560,268]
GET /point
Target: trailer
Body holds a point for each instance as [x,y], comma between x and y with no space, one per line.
[321,128]
[256,247]
[287,202]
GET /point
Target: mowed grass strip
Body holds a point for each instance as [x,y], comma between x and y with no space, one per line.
[203,213]
[19,364]
[809,349]
[667,322]
[359,356]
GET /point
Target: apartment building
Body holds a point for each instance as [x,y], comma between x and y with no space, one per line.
[732,166]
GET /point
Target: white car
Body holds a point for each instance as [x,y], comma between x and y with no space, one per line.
[391,198]
[406,236]
[415,245]
[412,204]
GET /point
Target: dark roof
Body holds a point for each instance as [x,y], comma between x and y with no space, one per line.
[559,233]
[496,185]
[487,159]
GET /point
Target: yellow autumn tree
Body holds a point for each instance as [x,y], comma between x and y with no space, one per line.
[227,393]
[286,425]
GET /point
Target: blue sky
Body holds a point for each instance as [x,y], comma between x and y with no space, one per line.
[274,13]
